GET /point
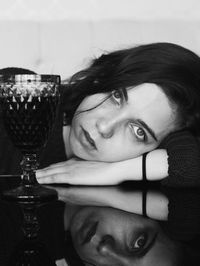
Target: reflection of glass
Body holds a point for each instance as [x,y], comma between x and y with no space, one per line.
[29,104]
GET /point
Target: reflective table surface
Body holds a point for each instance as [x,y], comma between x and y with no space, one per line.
[122,225]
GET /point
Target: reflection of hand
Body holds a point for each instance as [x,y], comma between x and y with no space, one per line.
[79,172]
[115,197]
[92,196]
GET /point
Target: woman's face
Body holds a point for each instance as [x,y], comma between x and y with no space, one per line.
[124,126]
[106,236]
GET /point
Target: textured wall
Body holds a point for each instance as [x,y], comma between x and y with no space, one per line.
[99,9]
[61,36]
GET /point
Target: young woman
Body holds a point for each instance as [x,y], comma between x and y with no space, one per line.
[132,114]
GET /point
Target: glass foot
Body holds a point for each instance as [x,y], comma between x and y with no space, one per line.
[30,194]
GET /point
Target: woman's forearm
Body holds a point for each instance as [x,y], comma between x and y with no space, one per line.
[156,167]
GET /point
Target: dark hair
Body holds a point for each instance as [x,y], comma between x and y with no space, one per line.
[175,69]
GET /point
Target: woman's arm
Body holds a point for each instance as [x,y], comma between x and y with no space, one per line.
[78,172]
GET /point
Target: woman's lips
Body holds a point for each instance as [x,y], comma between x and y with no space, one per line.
[87,231]
[89,139]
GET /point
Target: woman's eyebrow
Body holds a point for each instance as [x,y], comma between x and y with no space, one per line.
[151,132]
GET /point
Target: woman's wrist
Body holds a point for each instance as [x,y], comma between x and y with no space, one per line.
[129,169]
[133,169]
[157,164]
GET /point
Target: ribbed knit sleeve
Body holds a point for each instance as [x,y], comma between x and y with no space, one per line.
[183,159]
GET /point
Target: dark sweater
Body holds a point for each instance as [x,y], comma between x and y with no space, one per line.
[183,159]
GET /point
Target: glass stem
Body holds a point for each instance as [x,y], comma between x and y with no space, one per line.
[30,222]
[29,165]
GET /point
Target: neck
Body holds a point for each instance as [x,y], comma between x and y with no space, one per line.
[66,134]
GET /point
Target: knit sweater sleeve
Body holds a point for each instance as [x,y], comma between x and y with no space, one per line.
[183,160]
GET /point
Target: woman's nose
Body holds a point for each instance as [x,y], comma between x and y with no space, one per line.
[107,245]
[110,249]
[106,126]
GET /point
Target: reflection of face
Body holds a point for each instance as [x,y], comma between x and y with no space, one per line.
[106,236]
[120,128]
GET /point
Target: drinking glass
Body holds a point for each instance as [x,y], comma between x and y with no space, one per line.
[29,104]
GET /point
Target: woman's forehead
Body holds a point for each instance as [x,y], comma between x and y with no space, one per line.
[150,104]
[146,92]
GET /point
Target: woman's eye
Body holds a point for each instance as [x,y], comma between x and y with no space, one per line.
[140,242]
[118,96]
[139,132]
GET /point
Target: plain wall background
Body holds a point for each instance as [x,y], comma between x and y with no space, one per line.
[62,36]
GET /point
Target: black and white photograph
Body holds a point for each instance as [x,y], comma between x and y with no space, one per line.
[99,133]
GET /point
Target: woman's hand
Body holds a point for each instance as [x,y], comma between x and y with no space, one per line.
[79,172]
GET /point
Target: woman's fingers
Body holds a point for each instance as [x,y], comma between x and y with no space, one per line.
[53,169]
[57,168]
[52,178]
[79,172]
[64,178]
